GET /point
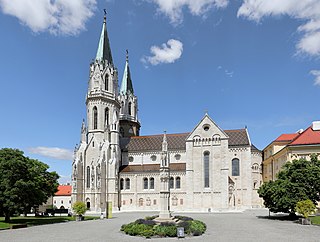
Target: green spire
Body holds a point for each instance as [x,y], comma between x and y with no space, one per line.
[126,85]
[104,50]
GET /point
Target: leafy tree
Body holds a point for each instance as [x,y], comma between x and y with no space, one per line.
[24,182]
[298,181]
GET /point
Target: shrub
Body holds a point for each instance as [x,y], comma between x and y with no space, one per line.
[183,218]
[151,217]
[185,225]
[305,208]
[197,227]
[79,208]
[165,230]
[136,229]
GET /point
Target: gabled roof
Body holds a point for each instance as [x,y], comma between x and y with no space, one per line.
[152,167]
[237,137]
[307,137]
[154,142]
[286,137]
[63,190]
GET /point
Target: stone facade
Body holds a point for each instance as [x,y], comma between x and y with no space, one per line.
[210,168]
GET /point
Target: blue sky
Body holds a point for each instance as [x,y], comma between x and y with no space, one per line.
[248,63]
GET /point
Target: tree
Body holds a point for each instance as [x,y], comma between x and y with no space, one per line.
[24,182]
[298,181]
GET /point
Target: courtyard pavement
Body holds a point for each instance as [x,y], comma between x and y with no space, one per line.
[251,225]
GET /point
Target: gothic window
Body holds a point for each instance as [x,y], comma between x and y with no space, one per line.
[121,184]
[151,183]
[145,183]
[95,117]
[122,132]
[206,155]
[88,176]
[106,83]
[129,108]
[171,183]
[106,116]
[122,108]
[178,183]
[127,183]
[235,167]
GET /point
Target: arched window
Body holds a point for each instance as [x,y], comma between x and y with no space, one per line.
[151,183]
[206,167]
[122,108]
[235,167]
[127,183]
[171,183]
[145,183]
[106,116]
[140,202]
[129,108]
[178,183]
[121,184]
[95,117]
[122,132]
[88,176]
[206,155]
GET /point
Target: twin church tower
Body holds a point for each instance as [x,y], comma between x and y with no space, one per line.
[111,114]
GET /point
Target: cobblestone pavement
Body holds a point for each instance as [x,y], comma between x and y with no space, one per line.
[251,225]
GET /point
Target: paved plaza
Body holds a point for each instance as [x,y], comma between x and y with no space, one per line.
[250,225]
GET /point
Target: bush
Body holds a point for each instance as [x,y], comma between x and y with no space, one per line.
[305,208]
[165,230]
[183,218]
[185,225]
[137,229]
[151,217]
[79,208]
[197,227]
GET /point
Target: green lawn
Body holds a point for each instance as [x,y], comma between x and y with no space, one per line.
[315,220]
[32,221]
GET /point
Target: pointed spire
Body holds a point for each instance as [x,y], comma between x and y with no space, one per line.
[104,50]
[126,84]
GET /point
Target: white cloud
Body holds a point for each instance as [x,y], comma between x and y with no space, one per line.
[316,73]
[168,53]
[173,8]
[52,152]
[66,17]
[307,10]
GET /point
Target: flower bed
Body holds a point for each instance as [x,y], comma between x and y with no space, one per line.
[149,227]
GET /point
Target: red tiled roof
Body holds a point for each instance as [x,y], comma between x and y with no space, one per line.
[63,190]
[152,167]
[287,137]
[307,137]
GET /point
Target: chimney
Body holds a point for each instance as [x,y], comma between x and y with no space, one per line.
[316,126]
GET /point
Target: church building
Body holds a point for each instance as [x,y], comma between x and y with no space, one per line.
[211,169]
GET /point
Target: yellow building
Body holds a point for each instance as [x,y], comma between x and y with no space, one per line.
[288,147]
